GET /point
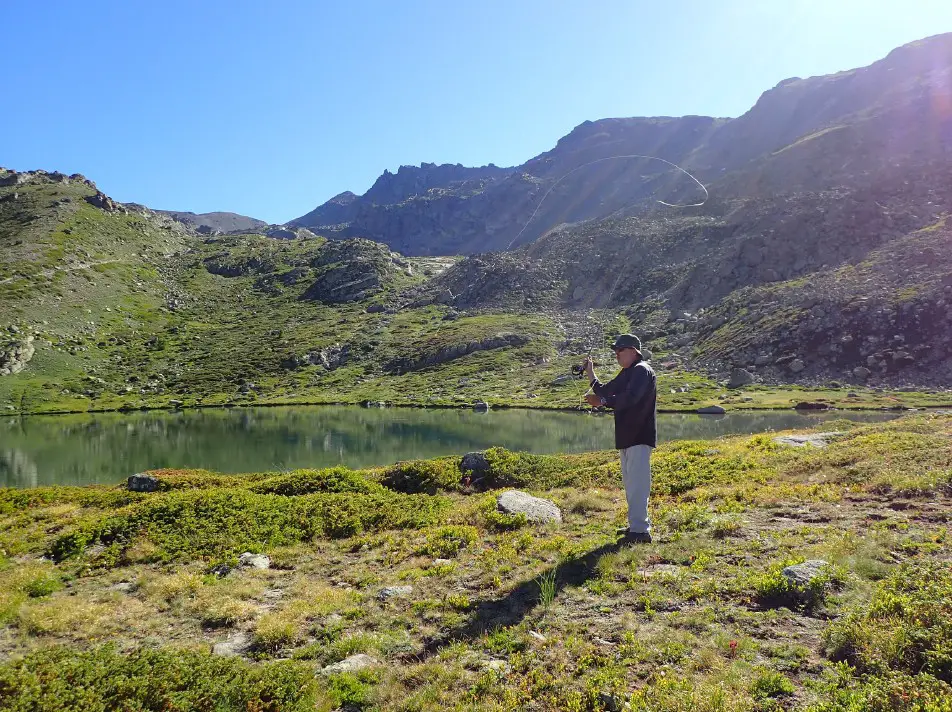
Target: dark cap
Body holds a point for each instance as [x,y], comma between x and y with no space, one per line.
[627,341]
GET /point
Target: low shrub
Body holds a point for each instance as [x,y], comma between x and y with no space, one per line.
[332,479]
[890,692]
[770,683]
[444,542]
[907,627]
[423,476]
[62,680]
[219,523]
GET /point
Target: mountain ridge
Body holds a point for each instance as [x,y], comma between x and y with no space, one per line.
[752,150]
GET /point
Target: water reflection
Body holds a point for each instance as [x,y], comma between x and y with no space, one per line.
[106,447]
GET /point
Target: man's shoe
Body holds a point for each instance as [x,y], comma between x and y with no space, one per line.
[635,538]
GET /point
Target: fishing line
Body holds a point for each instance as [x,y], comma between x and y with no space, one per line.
[613,158]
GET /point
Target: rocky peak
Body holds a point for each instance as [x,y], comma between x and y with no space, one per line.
[408,181]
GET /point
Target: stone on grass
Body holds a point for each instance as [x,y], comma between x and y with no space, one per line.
[611,702]
[355,663]
[813,439]
[740,377]
[254,561]
[236,645]
[389,592]
[534,508]
[803,575]
[711,410]
[143,483]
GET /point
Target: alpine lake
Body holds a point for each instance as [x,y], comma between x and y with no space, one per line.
[105,448]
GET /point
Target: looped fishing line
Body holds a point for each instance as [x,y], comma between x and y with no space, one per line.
[614,158]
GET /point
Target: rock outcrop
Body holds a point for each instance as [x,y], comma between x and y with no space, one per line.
[16,351]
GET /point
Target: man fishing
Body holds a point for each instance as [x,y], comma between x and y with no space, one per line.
[632,394]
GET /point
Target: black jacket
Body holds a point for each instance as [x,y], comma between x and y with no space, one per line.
[632,394]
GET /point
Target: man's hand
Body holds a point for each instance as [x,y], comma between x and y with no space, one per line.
[589,367]
[593,400]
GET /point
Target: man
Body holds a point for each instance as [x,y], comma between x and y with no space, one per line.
[632,395]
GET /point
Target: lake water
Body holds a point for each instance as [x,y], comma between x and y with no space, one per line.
[105,448]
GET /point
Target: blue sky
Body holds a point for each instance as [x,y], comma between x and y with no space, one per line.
[269,109]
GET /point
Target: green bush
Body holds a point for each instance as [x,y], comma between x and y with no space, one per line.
[219,523]
[444,542]
[907,627]
[770,683]
[43,585]
[683,466]
[166,680]
[332,479]
[890,692]
[423,476]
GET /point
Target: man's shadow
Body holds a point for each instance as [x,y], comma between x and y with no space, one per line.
[513,607]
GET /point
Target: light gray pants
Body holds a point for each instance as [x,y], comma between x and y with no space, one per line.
[636,474]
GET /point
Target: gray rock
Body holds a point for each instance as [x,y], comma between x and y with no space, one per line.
[534,508]
[711,410]
[611,702]
[862,372]
[740,377]
[481,406]
[802,575]
[236,645]
[558,381]
[391,592]
[254,561]
[500,667]
[474,462]
[813,439]
[143,483]
[797,365]
[355,663]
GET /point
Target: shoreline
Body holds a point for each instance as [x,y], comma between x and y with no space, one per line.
[437,406]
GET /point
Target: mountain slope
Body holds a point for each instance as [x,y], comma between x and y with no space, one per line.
[216,222]
[803,135]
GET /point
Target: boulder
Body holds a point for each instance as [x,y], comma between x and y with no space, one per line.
[711,410]
[862,372]
[797,365]
[16,354]
[740,377]
[355,663]
[143,483]
[535,509]
[254,561]
[802,575]
[475,463]
[385,594]
[236,645]
[481,406]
